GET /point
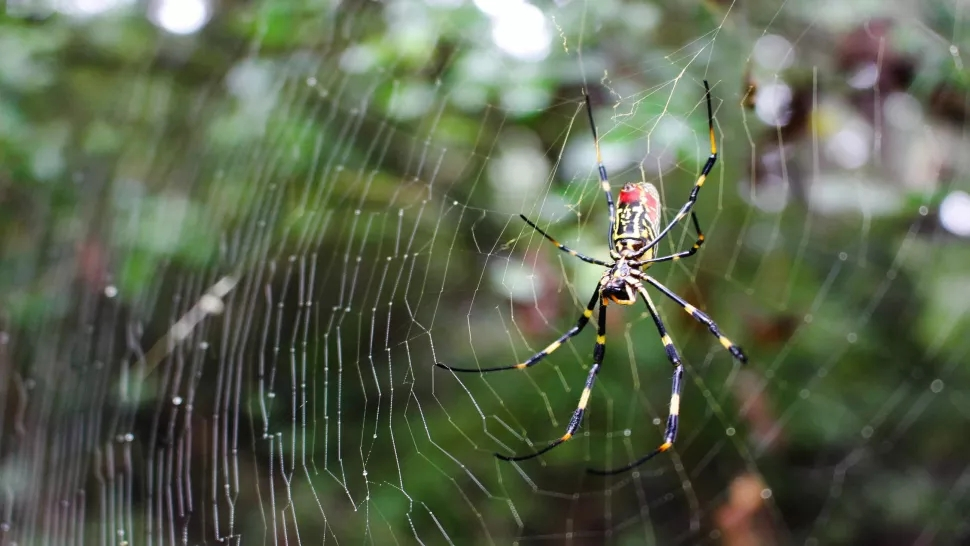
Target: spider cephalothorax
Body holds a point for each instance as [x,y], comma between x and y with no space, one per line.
[634,234]
[615,284]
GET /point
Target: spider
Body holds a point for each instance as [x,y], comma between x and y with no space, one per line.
[634,234]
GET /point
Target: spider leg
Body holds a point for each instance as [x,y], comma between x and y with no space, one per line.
[700,180]
[604,179]
[563,247]
[701,317]
[670,432]
[534,359]
[678,255]
[598,351]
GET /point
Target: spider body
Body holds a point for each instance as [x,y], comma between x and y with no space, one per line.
[634,227]
[633,237]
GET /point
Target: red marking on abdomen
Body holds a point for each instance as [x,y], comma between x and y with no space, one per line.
[646,196]
[633,195]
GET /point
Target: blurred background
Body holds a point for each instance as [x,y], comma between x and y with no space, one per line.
[235,237]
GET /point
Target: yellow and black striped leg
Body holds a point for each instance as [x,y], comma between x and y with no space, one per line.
[565,248]
[534,359]
[679,255]
[598,351]
[673,417]
[700,179]
[604,179]
[701,317]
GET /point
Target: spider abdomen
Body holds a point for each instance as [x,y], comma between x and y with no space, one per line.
[637,218]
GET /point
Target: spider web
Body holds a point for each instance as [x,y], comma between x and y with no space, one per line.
[227,286]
